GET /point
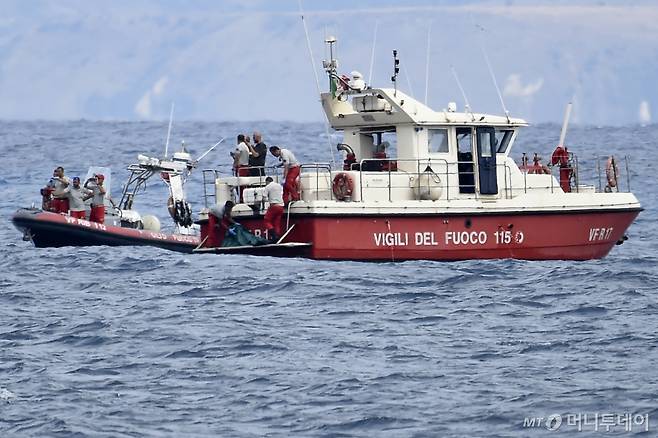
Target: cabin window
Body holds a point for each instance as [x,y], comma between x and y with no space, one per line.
[465,166]
[464,142]
[484,138]
[384,144]
[437,140]
[502,140]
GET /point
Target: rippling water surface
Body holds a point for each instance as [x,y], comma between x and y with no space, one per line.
[143,342]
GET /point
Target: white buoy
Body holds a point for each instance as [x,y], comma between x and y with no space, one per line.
[151,223]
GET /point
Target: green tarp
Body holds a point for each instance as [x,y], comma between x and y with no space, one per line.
[237,235]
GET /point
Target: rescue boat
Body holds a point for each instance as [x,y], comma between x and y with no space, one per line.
[47,229]
[123,225]
[424,184]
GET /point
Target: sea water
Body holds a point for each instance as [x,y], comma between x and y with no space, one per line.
[139,341]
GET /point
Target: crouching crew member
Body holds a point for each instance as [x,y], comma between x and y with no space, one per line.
[290,173]
[273,191]
[219,219]
[77,196]
[59,183]
[95,185]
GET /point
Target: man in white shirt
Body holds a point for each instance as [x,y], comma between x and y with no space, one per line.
[95,184]
[77,196]
[59,182]
[290,173]
[241,157]
[273,192]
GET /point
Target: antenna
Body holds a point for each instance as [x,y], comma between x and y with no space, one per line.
[493,76]
[308,45]
[372,54]
[396,71]
[467,105]
[209,150]
[317,80]
[171,119]
[407,77]
[565,124]
[427,63]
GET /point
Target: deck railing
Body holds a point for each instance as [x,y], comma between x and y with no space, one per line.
[451,174]
[613,167]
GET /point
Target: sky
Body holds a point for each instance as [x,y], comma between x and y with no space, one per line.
[248,60]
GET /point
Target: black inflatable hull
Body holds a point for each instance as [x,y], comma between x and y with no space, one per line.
[48,230]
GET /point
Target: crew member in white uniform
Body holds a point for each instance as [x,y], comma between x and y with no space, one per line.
[273,192]
[60,202]
[77,196]
[95,184]
[290,173]
[241,157]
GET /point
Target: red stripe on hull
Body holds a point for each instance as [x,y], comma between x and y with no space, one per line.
[545,236]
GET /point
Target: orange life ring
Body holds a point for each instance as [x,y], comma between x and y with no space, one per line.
[611,172]
[342,186]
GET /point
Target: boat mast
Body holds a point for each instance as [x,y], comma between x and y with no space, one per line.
[317,80]
[396,71]
[427,62]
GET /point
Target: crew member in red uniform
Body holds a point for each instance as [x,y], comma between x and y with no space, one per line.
[77,196]
[561,156]
[95,184]
[290,173]
[219,219]
[60,201]
[273,192]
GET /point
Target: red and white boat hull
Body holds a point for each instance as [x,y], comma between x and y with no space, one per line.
[538,235]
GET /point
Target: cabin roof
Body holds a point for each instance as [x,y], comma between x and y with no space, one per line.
[393,107]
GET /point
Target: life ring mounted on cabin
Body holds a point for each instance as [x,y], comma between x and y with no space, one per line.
[343,186]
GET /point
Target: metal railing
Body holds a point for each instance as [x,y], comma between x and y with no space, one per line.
[210,177]
[317,166]
[211,183]
[427,163]
[449,174]
[611,171]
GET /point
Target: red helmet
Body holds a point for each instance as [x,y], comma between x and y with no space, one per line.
[100,177]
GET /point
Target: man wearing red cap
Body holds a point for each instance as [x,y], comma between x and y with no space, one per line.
[95,184]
